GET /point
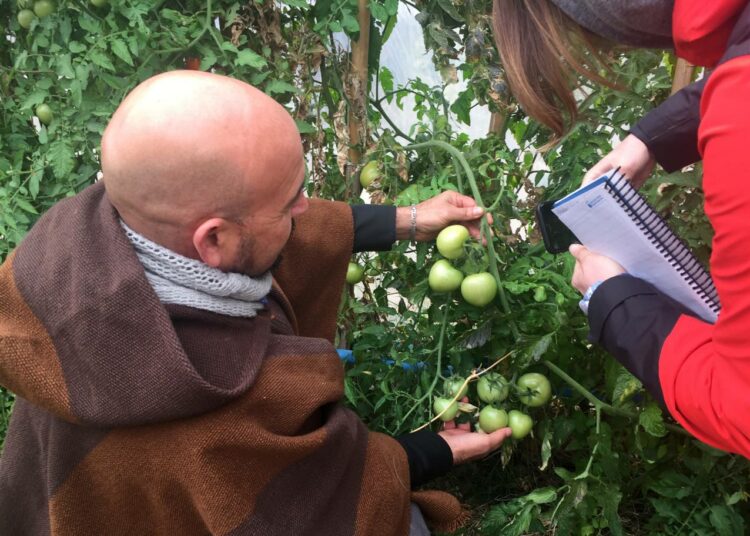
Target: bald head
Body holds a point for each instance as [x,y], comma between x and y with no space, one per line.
[187,146]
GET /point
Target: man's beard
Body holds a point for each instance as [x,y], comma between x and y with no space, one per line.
[246,246]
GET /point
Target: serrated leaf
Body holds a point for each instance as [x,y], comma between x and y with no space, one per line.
[64,66]
[75,47]
[542,496]
[479,337]
[101,59]
[34,98]
[25,205]
[60,158]
[35,178]
[250,58]
[120,49]
[89,24]
[626,385]
[652,420]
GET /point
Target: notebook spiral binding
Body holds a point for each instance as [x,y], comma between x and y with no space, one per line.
[669,245]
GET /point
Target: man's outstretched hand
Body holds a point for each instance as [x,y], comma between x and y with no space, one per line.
[467,445]
[437,213]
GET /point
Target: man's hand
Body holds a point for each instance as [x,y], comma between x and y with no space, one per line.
[592,267]
[437,213]
[467,445]
[632,157]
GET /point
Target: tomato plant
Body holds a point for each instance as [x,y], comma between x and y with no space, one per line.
[603,456]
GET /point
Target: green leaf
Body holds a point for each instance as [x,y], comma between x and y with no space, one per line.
[60,157]
[34,98]
[35,178]
[386,82]
[626,385]
[274,87]
[652,420]
[250,58]
[89,24]
[75,47]
[542,496]
[301,4]
[120,49]
[101,59]
[64,66]
[540,347]
[546,449]
[304,127]
[25,205]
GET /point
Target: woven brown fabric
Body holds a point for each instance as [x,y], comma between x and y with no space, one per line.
[135,418]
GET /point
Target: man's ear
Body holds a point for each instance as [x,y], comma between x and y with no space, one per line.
[212,240]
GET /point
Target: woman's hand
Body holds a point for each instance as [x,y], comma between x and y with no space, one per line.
[632,157]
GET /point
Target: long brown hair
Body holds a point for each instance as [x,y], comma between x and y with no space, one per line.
[538,46]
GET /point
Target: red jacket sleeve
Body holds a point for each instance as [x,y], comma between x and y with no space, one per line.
[702,28]
[705,370]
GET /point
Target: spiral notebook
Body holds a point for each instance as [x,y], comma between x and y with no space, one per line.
[610,217]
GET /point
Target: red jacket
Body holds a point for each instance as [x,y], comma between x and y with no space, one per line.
[700,371]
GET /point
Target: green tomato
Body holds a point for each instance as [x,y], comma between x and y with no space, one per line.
[354,273]
[454,387]
[479,289]
[450,241]
[445,408]
[444,277]
[25,18]
[492,387]
[44,113]
[559,298]
[369,173]
[43,8]
[534,389]
[492,418]
[540,294]
[520,424]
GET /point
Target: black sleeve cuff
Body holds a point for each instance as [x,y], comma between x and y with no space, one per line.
[631,320]
[670,131]
[428,454]
[374,227]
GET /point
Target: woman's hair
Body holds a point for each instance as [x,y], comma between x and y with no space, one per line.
[538,46]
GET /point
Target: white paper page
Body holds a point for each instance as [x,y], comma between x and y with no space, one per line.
[603,226]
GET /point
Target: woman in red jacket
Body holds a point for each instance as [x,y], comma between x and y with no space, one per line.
[700,371]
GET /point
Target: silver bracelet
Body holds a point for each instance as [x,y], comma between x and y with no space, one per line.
[413,227]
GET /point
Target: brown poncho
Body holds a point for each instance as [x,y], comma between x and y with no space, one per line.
[136,418]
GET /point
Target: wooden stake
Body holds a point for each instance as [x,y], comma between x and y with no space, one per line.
[683,75]
[358,103]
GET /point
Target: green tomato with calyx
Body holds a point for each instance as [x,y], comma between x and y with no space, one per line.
[492,387]
[534,389]
[479,289]
[354,273]
[520,424]
[450,241]
[445,408]
[492,419]
[444,277]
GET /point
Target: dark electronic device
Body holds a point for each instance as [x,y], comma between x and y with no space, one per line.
[557,237]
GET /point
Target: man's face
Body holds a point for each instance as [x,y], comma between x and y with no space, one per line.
[265,232]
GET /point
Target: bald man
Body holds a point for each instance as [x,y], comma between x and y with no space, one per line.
[170,340]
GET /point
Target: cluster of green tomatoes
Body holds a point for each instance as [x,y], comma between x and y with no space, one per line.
[531,389]
[477,289]
[29,10]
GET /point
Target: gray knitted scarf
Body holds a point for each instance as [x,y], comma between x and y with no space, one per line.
[183,281]
[639,23]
